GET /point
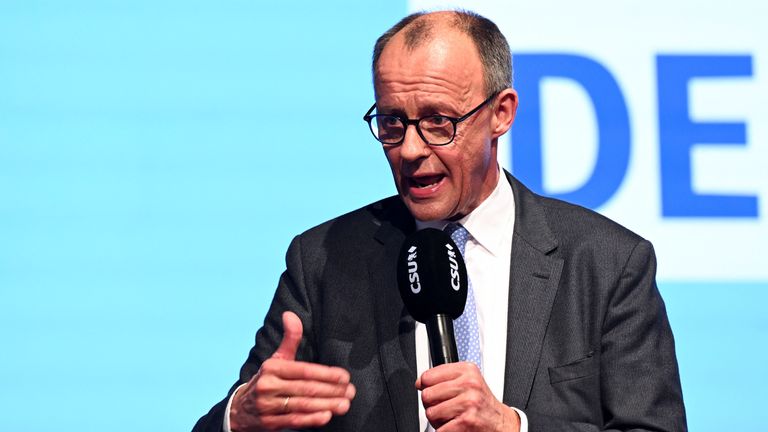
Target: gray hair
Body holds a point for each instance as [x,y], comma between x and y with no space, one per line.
[491,45]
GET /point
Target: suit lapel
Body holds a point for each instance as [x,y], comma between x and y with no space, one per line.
[534,277]
[394,326]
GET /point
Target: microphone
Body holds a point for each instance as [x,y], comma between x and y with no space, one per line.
[432,279]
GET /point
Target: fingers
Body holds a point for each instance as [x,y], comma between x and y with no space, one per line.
[444,383]
[315,389]
[446,372]
[281,405]
[273,385]
[305,396]
[465,405]
[300,404]
[440,392]
[296,420]
[289,369]
[270,401]
[456,397]
[292,331]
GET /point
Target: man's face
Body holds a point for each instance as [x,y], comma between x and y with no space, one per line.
[442,76]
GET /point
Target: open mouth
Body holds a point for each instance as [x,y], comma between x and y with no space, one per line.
[423,182]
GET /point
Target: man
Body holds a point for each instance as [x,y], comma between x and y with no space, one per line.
[572,331]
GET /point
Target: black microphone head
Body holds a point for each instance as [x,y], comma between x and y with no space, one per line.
[431,275]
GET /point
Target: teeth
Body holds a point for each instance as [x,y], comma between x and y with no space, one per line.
[425,181]
[425,186]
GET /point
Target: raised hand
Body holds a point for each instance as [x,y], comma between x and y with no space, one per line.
[286,393]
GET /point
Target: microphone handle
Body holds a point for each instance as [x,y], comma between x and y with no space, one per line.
[442,342]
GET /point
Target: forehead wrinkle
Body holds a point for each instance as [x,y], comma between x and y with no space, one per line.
[422,98]
[417,88]
[427,83]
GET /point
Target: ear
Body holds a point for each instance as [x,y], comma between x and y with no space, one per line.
[504,112]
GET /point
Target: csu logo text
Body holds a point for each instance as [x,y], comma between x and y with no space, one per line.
[413,267]
[454,265]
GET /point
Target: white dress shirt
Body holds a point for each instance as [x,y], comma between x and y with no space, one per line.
[487,256]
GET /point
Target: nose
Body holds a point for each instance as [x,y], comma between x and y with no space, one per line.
[413,146]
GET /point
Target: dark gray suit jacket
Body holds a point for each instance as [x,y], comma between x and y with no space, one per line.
[589,346]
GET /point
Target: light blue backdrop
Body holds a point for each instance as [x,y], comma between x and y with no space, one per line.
[155,160]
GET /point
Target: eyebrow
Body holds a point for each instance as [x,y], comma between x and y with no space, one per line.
[427,109]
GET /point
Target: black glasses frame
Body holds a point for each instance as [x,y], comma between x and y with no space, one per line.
[368,117]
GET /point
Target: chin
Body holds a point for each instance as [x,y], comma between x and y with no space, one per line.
[426,212]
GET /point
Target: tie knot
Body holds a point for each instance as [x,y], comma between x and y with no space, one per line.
[458,234]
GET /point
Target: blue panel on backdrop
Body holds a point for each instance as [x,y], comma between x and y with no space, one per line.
[155,160]
[678,134]
[612,118]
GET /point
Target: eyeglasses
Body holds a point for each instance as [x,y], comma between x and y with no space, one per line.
[435,130]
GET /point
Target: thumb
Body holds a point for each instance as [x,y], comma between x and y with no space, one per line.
[292,330]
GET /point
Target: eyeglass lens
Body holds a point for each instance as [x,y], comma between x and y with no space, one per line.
[435,130]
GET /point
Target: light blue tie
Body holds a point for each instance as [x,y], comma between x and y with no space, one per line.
[465,327]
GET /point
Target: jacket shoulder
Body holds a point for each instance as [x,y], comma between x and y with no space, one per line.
[574,223]
[364,221]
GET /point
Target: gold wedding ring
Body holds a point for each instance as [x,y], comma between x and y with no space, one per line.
[285,404]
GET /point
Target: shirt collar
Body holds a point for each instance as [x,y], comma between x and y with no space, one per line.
[485,223]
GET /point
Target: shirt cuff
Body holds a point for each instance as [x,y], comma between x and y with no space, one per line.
[523,420]
[225,427]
